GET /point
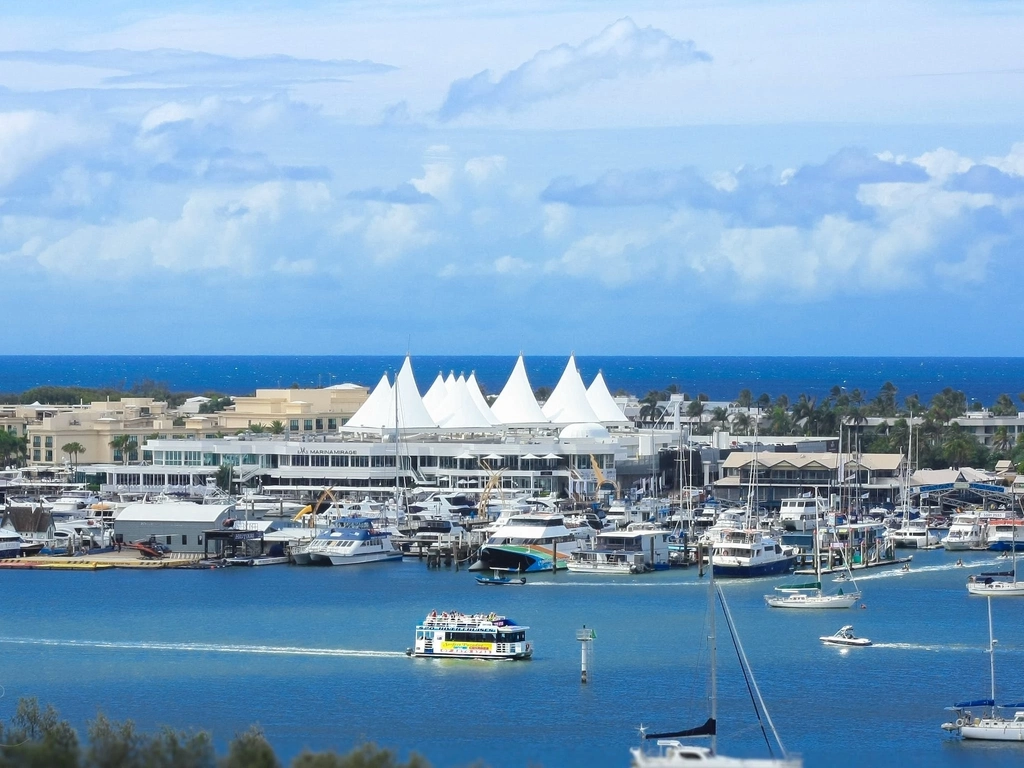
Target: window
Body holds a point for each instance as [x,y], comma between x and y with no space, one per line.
[35,453]
[300,461]
[382,461]
[332,423]
[49,441]
[35,441]
[360,461]
[193,458]
[49,455]
[339,461]
[307,424]
[320,461]
[319,425]
[184,540]
[168,541]
[293,425]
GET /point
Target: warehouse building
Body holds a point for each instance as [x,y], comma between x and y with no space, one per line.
[179,525]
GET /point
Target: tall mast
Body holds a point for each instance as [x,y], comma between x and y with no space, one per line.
[713,654]
[991,655]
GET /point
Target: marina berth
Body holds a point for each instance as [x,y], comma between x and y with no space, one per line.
[455,635]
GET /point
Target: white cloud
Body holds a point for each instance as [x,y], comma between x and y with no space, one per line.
[483,169]
[396,229]
[620,50]
[27,137]
[556,219]
[612,258]
[943,163]
[510,265]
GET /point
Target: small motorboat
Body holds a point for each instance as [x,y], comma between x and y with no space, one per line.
[845,636]
[842,577]
[499,581]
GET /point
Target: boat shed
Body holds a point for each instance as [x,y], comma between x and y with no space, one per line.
[180,525]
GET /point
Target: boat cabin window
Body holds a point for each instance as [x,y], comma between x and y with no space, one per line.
[470,637]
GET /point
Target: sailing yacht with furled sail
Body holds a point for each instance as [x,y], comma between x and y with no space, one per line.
[992,726]
[810,595]
[673,753]
[1004,584]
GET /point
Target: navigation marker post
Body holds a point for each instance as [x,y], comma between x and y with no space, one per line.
[586,639]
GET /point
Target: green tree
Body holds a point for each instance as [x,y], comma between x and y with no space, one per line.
[366,756]
[73,450]
[276,427]
[650,409]
[257,428]
[250,750]
[217,402]
[741,422]
[745,399]
[958,447]
[13,449]
[126,446]
[1001,440]
[1004,406]
[225,474]
[42,740]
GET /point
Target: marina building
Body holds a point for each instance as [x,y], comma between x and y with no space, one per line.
[180,525]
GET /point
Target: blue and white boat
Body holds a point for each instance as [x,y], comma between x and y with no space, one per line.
[1005,536]
[351,541]
[749,553]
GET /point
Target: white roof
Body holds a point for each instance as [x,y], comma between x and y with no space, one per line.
[568,403]
[460,410]
[600,399]
[406,410]
[174,512]
[373,412]
[345,385]
[516,405]
[479,400]
[578,431]
[450,381]
[435,397]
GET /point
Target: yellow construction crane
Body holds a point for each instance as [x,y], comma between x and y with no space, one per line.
[602,480]
[326,496]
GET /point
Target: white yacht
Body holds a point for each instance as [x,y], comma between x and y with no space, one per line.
[914,534]
[747,552]
[621,552]
[72,503]
[528,543]
[10,543]
[454,635]
[801,515]
[351,542]
[965,532]
[1005,535]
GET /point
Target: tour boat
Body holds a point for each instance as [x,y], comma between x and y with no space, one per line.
[528,543]
[993,726]
[845,636]
[354,541]
[454,635]
[623,552]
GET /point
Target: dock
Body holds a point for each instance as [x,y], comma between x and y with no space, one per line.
[101,561]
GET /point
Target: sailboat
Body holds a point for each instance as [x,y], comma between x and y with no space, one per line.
[993,726]
[810,595]
[672,753]
[996,584]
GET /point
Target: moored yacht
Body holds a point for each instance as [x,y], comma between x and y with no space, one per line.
[1005,535]
[748,553]
[351,542]
[528,543]
[10,543]
[966,532]
[914,534]
[801,514]
[619,552]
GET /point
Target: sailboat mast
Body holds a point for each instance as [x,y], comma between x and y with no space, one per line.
[991,655]
[713,654]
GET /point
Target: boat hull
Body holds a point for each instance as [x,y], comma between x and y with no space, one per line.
[357,558]
[524,656]
[1006,546]
[813,602]
[994,731]
[740,571]
[521,559]
[997,589]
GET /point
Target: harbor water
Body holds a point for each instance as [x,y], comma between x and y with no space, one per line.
[315,656]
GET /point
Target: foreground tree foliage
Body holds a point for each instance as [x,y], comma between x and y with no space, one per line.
[38,738]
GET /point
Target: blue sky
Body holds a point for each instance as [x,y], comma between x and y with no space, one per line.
[611,178]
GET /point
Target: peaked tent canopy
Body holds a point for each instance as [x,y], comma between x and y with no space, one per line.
[461,412]
[479,400]
[516,406]
[406,409]
[435,396]
[568,403]
[373,412]
[600,399]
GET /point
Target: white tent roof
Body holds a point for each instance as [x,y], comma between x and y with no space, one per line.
[600,399]
[450,381]
[406,409]
[516,405]
[373,412]
[479,400]
[460,410]
[435,396]
[568,403]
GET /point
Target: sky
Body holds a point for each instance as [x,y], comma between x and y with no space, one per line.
[653,178]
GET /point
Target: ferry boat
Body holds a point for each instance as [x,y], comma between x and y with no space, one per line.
[528,543]
[455,635]
[620,552]
[747,553]
[1006,535]
[354,541]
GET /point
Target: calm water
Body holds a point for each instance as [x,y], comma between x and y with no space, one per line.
[313,655]
[721,378]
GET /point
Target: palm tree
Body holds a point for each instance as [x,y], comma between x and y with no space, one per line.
[745,398]
[719,415]
[13,448]
[72,450]
[958,447]
[1004,406]
[276,427]
[1001,440]
[741,420]
[125,445]
[258,428]
[804,413]
[779,421]
[650,410]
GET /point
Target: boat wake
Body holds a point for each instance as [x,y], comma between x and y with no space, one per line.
[897,572]
[603,583]
[272,650]
[929,647]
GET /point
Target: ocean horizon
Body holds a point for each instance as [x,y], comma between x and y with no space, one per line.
[719,377]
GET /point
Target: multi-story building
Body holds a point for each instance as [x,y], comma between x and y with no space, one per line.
[297,411]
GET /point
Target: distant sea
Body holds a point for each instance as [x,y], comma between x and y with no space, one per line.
[720,378]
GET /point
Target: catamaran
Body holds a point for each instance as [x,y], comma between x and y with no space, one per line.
[528,543]
[991,726]
[352,541]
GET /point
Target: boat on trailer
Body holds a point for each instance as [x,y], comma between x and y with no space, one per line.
[455,635]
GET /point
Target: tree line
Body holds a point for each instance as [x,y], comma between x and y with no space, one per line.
[938,441]
[158,390]
[37,738]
